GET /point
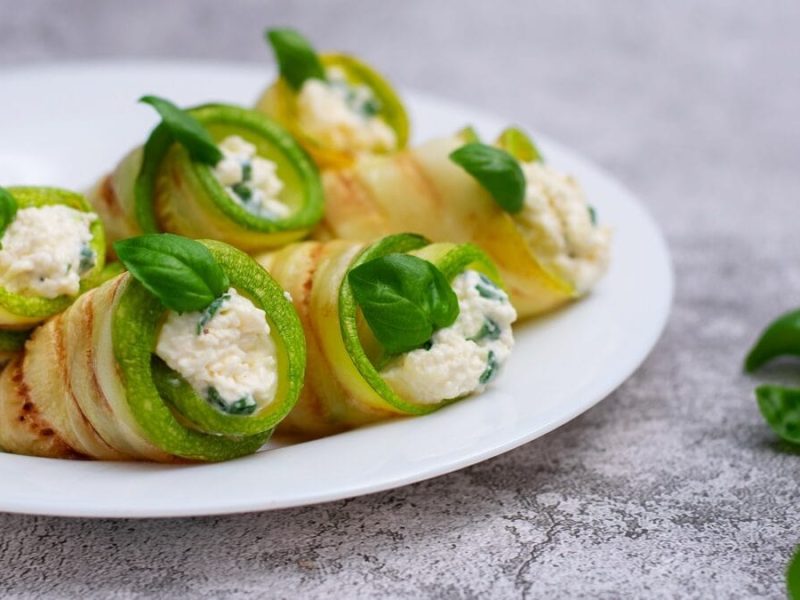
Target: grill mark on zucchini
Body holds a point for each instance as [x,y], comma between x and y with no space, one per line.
[38,428]
[415,173]
[109,198]
[91,363]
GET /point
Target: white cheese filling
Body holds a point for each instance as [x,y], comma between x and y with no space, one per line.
[342,116]
[464,357]
[46,250]
[558,225]
[225,353]
[250,180]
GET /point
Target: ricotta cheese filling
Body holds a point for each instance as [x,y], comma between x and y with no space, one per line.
[250,180]
[45,251]
[559,226]
[464,357]
[343,116]
[225,353]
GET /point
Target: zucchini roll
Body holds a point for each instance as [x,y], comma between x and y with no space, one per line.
[194,354]
[532,220]
[400,327]
[52,249]
[336,106]
[216,171]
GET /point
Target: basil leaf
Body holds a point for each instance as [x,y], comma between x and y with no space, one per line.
[496,170]
[404,299]
[186,130]
[8,209]
[793,576]
[780,407]
[180,272]
[780,338]
[517,143]
[297,60]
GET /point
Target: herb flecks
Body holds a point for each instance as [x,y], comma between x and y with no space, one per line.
[210,311]
[487,289]
[489,331]
[247,171]
[243,191]
[88,259]
[244,406]
[491,369]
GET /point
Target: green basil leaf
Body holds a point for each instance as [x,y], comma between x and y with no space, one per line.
[404,299]
[8,209]
[793,576]
[780,338]
[180,272]
[297,60]
[496,170]
[186,130]
[519,145]
[780,407]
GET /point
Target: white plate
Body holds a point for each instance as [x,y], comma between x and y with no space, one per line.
[68,124]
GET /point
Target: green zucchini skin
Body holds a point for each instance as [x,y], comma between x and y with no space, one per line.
[158,188]
[103,350]
[21,312]
[343,387]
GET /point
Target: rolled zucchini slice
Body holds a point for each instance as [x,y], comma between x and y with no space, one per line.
[52,249]
[337,106]
[352,379]
[92,384]
[545,240]
[258,190]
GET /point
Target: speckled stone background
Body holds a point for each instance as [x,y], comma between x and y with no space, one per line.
[673,486]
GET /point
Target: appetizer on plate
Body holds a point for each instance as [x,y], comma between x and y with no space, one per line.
[399,327]
[531,219]
[336,106]
[52,248]
[194,354]
[218,172]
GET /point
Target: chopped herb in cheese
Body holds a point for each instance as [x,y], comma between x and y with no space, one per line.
[343,116]
[225,353]
[250,180]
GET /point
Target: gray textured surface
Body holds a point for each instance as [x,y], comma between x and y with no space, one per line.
[672,487]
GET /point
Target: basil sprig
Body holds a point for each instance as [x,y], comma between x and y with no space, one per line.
[404,299]
[297,60]
[8,209]
[780,406]
[496,170]
[186,130]
[180,272]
